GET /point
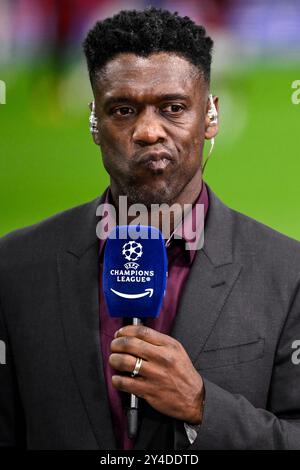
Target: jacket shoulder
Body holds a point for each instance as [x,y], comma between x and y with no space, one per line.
[251,243]
[256,233]
[44,236]
[273,252]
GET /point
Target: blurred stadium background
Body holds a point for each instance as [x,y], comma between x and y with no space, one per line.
[47,159]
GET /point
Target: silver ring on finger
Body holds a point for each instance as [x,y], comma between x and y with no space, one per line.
[137,367]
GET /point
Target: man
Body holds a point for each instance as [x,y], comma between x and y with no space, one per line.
[217,368]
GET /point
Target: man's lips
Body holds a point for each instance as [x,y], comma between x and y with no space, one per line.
[157,165]
[156,161]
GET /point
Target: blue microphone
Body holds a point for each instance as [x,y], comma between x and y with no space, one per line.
[134,282]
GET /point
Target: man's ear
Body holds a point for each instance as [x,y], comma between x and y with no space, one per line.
[95,134]
[96,138]
[212,118]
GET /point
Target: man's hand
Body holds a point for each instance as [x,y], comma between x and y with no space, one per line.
[167,379]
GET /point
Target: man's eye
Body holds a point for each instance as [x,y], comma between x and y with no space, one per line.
[123,111]
[173,108]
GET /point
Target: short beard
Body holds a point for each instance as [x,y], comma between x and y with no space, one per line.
[143,194]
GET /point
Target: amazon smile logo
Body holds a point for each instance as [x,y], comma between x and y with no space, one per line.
[133,296]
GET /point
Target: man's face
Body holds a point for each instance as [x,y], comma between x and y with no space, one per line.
[151,120]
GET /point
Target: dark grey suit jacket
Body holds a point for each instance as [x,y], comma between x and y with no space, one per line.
[238,318]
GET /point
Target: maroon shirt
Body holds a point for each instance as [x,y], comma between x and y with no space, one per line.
[179,263]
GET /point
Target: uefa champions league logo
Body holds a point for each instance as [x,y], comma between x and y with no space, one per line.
[132,250]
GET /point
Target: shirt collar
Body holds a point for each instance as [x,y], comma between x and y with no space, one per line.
[190,231]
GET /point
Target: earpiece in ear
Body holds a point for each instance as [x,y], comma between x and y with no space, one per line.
[212,112]
[93,120]
[213,118]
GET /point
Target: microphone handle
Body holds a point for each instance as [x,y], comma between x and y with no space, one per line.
[133,410]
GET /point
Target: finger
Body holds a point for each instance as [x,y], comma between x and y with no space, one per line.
[136,385]
[126,363]
[135,347]
[144,333]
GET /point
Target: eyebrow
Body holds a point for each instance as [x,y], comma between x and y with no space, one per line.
[164,97]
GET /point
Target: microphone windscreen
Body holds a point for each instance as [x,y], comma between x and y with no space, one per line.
[134,271]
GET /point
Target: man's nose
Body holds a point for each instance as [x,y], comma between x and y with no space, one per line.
[148,128]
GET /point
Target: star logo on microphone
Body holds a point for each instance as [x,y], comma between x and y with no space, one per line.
[132,250]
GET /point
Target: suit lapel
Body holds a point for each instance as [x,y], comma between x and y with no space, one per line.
[211,279]
[78,271]
[205,294]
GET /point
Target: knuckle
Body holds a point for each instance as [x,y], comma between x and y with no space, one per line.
[168,358]
[117,381]
[125,342]
[113,359]
[144,331]
[115,344]
[176,346]
[120,344]
[171,359]
[116,361]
